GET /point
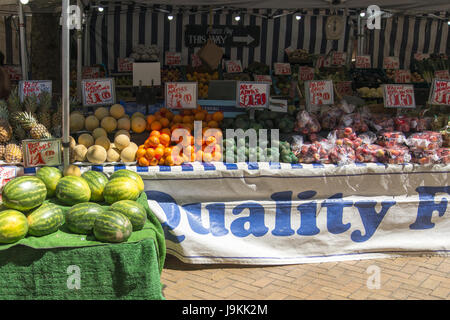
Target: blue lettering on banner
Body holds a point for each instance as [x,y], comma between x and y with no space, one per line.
[253,222]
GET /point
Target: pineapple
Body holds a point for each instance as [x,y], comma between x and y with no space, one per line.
[44,110]
[5,127]
[13,153]
[29,123]
[2,151]
[30,104]
[14,104]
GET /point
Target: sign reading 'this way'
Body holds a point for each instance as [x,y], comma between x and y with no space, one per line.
[222,35]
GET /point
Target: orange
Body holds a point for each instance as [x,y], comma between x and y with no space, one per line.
[140,153]
[217,116]
[154,162]
[199,155]
[161,146]
[156,125]
[150,154]
[163,111]
[207,157]
[153,141]
[177,118]
[164,139]
[200,116]
[143,162]
[166,131]
[148,127]
[186,119]
[208,117]
[217,156]
[168,152]
[169,115]
[187,112]
[213,124]
[155,133]
[150,118]
[162,162]
[205,128]
[159,152]
[211,140]
[164,122]
[169,161]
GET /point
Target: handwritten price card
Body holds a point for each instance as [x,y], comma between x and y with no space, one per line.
[338,58]
[253,94]
[42,152]
[263,78]
[90,72]
[323,61]
[344,88]
[282,68]
[440,92]
[125,65]
[7,173]
[181,95]
[173,58]
[421,56]
[363,62]
[391,63]
[305,73]
[14,72]
[399,96]
[98,92]
[319,92]
[233,66]
[402,76]
[442,74]
[34,87]
[195,61]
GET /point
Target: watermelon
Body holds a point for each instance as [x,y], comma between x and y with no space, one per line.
[112,226]
[24,193]
[133,211]
[50,176]
[13,226]
[121,188]
[45,220]
[97,182]
[81,217]
[72,190]
[129,174]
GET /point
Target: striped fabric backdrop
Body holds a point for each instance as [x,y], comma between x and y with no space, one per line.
[112,34]
[403,36]
[9,38]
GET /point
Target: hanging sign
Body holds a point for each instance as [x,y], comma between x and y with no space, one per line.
[14,72]
[402,76]
[195,61]
[391,63]
[34,87]
[305,73]
[338,58]
[173,58]
[442,74]
[399,96]
[363,62]
[344,88]
[440,92]
[125,65]
[42,152]
[233,66]
[253,94]
[181,95]
[282,68]
[97,92]
[421,56]
[222,35]
[90,72]
[263,78]
[319,92]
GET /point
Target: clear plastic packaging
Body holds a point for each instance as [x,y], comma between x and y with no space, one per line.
[315,152]
[329,118]
[391,138]
[427,140]
[307,123]
[382,122]
[355,121]
[370,153]
[402,123]
[397,155]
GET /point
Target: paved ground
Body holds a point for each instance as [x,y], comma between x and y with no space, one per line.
[416,278]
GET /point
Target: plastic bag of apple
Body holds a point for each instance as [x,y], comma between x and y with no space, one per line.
[314,152]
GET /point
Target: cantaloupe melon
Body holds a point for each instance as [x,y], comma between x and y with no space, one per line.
[86,139]
[101,113]
[128,155]
[96,154]
[124,124]
[138,124]
[72,170]
[91,123]
[117,111]
[76,122]
[137,114]
[103,141]
[99,132]
[122,131]
[72,142]
[113,155]
[121,141]
[80,153]
[109,124]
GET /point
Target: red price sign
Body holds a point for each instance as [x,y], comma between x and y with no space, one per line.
[7,173]
[305,73]
[344,88]
[253,95]
[440,92]
[391,63]
[173,58]
[181,95]
[363,62]
[90,72]
[98,92]
[14,72]
[195,60]
[125,65]
[399,96]
[323,62]
[319,92]
[421,56]
[263,78]
[338,58]
[402,76]
[34,87]
[42,152]
[282,68]
[442,74]
[233,66]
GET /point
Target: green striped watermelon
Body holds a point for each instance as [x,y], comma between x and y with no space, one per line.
[97,182]
[129,174]
[13,226]
[50,176]
[81,217]
[24,193]
[133,211]
[112,226]
[121,188]
[45,220]
[72,190]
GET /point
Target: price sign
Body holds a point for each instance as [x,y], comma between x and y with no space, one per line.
[319,92]
[440,92]
[125,65]
[363,62]
[233,66]
[7,173]
[338,58]
[34,87]
[173,58]
[391,63]
[305,73]
[253,94]
[399,96]
[421,56]
[90,72]
[442,74]
[323,62]
[181,95]
[282,68]
[97,92]
[195,61]
[42,152]
[14,72]
[402,76]
[263,78]
[344,88]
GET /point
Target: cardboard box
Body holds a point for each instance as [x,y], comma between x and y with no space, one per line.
[211,54]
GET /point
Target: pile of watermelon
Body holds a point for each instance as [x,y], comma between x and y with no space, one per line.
[106,208]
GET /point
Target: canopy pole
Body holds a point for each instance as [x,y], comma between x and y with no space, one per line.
[23,55]
[79,51]
[65,59]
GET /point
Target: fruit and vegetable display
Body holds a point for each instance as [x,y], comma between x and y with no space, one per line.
[202,76]
[171,74]
[301,56]
[281,85]
[368,77]
[427,67]
[90,204]
[257,68]
[145,53]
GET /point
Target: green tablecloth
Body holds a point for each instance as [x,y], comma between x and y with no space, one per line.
[41,267]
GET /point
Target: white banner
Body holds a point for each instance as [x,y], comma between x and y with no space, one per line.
[287,214]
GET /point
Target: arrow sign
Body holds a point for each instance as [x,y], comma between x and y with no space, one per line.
[222,35]
[247,39]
